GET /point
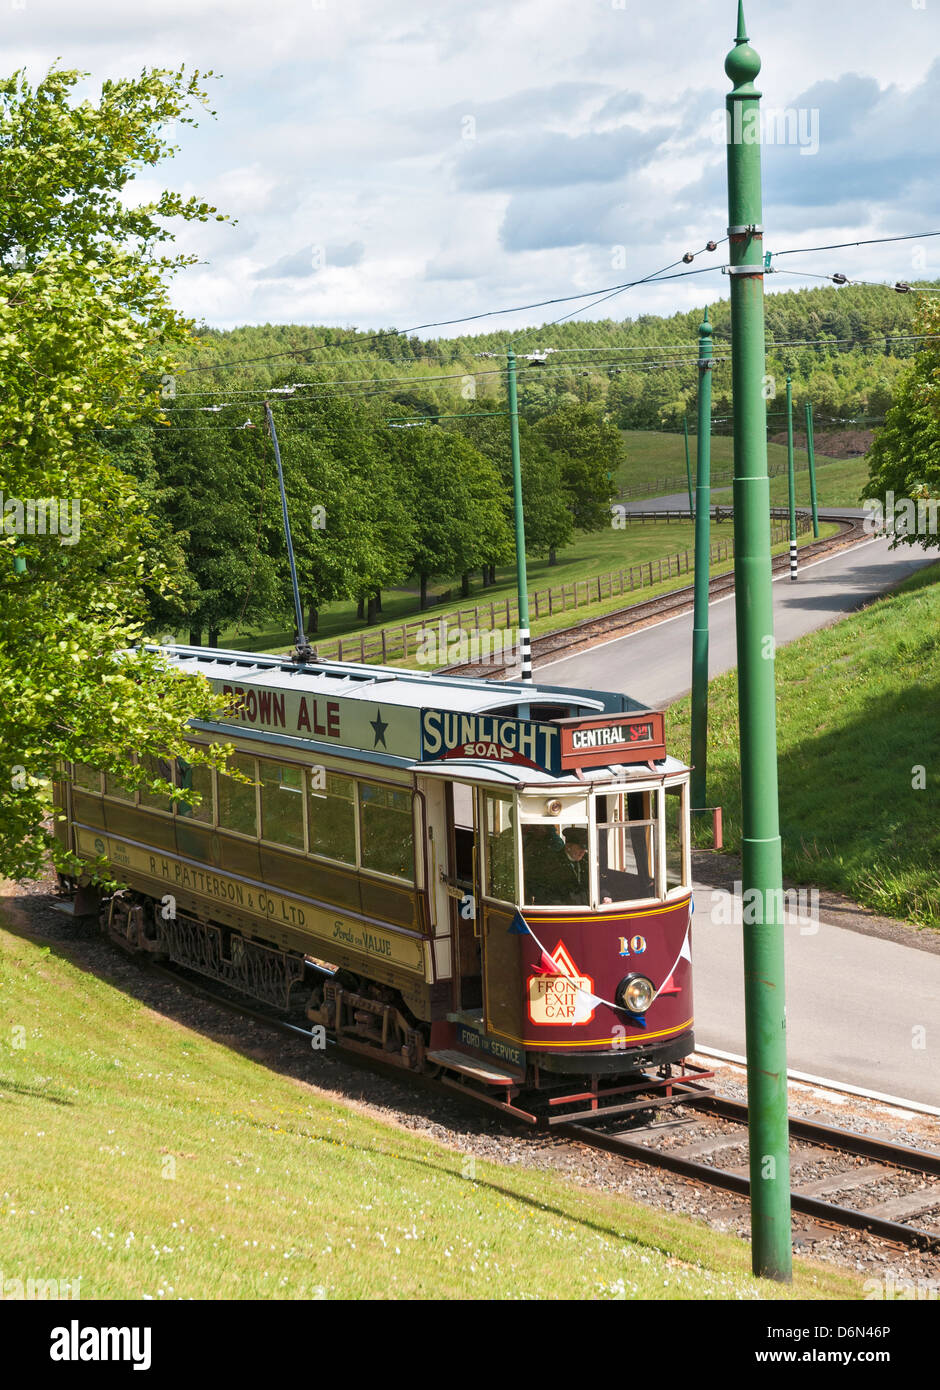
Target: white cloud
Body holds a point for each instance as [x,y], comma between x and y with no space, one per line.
[465,156]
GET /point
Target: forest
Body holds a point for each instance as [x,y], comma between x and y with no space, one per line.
[372,425]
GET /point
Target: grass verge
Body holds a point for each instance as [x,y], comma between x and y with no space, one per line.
[859,753]
[152,1162]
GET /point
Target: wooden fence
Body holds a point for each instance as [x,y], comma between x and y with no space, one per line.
[434,635]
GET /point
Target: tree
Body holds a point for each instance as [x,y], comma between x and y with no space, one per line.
[905,457]
[591,451]
[87,336]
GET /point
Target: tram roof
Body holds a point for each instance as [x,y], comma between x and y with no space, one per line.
[390,684]
[508,731]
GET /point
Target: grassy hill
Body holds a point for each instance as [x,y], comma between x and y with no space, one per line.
[856,720]
[157,1163]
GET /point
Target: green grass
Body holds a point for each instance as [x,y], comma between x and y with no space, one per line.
[153,1162]
[839,483]
[653,456]
[856,719]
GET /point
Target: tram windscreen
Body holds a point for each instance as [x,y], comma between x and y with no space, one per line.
[627,840]
[555,864]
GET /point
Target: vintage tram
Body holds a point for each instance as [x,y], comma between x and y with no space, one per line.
[484,879]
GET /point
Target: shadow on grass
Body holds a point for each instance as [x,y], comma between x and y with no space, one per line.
[338,1079]
[8,1085]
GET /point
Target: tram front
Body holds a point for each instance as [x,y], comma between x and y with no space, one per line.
[576,900]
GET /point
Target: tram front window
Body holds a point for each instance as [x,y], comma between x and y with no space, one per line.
[556,865]
[627,846]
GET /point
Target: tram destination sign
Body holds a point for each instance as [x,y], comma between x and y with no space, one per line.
[618,738]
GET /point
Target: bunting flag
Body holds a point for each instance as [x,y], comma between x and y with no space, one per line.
[518,926]
[549,966]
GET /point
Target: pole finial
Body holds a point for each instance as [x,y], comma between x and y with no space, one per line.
[742,64]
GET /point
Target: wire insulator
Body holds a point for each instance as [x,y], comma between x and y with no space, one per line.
[711,246]
[840,279]
[903,287]
[688,258]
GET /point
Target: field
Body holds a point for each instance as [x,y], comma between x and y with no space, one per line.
[653,456]
[859,753]
[153,1162]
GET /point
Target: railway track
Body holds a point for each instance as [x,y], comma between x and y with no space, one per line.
[823,1159]
[638,615]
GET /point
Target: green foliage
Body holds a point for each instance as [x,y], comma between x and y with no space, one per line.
[83,307]
[905,457]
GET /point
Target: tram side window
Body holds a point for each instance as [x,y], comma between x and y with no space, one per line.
[237,799]
[331,818]
[627,845]
[116,788]
[500,831]
[282,803]
[386,829]
[88,778]
[198,777]
[675,837]
[156,767]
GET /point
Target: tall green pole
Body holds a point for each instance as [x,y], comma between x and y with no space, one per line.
[791,482]
[702,559]
[688,465]
[762,874]
[525,644]
[811,454]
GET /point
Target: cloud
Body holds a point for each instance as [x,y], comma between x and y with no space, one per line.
[310,259]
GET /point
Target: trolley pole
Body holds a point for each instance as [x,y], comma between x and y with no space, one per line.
[303,651]
[811,455]
[702,565]
[688,465]
[525,643]
[791,483]
[762,874]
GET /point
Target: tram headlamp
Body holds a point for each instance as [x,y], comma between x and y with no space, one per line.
[554,808]
[635,993]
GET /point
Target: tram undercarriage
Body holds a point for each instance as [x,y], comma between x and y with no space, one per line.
[371,1019]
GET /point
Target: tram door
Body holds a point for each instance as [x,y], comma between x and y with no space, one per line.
[465,896]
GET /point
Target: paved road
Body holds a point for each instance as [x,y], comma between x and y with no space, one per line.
[859,1009]
[655,665]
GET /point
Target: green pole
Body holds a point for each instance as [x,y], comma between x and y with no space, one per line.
[702,558]
[791,482]
[811,454]
[688,465]
[525,644]
[762,874]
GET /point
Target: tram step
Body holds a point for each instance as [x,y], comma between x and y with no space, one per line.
[471,1066]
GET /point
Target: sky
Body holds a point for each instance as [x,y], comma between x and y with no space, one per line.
[402,163]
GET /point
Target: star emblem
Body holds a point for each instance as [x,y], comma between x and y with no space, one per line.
[379,726]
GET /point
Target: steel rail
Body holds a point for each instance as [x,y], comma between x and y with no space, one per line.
[828,1212]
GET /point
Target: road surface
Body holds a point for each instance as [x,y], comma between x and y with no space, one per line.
[655,664]
[860,1009]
